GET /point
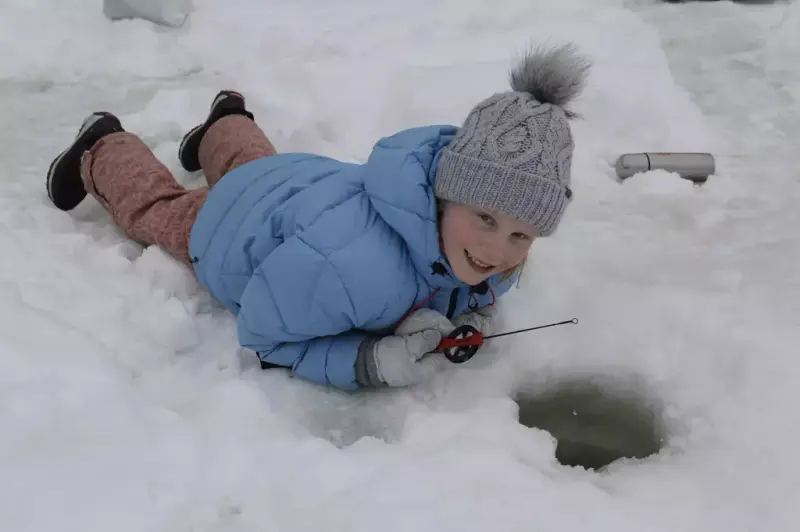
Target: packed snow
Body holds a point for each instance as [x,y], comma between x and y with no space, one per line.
[126,405]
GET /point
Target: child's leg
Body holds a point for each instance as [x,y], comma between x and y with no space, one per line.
[229,143]
[227,139]
[141,195]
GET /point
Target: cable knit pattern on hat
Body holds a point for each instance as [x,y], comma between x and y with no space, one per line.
[513,153]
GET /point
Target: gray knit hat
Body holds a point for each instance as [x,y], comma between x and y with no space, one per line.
[514,152]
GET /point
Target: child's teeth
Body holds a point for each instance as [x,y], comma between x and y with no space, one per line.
[476,261]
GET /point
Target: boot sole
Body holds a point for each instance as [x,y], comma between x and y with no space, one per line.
[70,156]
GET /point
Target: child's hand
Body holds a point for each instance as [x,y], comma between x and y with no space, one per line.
[403,359]
[482,319]
[425,319]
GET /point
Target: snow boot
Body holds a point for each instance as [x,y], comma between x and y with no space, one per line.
[226,103]
[64,184]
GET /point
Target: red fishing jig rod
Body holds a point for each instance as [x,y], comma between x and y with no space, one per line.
[464,341]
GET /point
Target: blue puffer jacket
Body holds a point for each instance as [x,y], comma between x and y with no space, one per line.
[312,254]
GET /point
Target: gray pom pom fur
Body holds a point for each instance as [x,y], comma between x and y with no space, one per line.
[556,75]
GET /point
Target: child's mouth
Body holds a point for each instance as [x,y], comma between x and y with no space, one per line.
[477,264]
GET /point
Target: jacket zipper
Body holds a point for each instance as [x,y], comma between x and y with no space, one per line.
[451,309]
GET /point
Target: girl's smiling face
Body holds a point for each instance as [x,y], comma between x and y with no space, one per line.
[479,243]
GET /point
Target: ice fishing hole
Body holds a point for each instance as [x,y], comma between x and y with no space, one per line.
[594,423]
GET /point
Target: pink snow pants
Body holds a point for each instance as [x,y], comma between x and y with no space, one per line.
[141,194]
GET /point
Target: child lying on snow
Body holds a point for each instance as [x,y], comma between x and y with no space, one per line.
[320,260]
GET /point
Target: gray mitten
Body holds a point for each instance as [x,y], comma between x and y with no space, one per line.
[482,319]
[404,358]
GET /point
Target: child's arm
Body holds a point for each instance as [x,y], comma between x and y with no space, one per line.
[302,310]
[307,327]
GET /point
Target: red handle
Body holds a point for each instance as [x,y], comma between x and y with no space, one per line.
[475,339]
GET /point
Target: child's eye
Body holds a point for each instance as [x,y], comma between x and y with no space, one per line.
[521,236]
[488,220]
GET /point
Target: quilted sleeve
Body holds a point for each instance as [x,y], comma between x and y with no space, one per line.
[305,326]
[310,302]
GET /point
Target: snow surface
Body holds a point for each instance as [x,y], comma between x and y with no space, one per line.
[125,404]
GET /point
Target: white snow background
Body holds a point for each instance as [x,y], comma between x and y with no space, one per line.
[125,404]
